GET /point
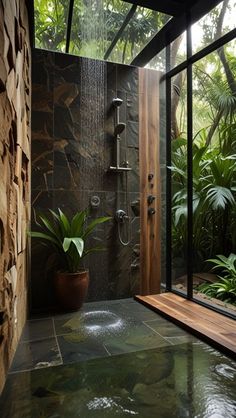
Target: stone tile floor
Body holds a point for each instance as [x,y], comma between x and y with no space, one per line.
[99,329]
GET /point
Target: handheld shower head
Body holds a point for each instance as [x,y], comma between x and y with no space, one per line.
[119,128]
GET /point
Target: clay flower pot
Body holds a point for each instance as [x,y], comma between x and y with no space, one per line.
[71,289]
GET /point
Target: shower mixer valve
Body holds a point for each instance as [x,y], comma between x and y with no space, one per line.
[121,216]
[151,211]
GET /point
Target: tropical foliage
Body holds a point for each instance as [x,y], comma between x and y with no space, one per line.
[225,289]
[214,157]
[67,237]
[214,208]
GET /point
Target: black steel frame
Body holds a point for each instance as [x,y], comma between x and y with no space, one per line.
[172,30]
[170,73]
[69,23]
[168,175]
[30,9]
[120,31]
[189,163]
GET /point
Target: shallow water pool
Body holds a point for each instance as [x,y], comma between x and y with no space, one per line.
[185,380]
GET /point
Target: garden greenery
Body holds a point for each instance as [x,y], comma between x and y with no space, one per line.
[225,288]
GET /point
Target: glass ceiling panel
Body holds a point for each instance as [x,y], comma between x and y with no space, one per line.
[142,27]
[95,23]
[214,24]
[50,24]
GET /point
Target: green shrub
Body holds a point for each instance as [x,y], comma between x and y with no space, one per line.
[225,289]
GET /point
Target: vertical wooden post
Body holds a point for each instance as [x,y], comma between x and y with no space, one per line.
[150,233]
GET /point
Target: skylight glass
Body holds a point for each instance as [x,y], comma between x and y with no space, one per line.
[50,18]
[95,24]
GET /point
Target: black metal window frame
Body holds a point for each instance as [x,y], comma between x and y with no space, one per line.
[168,76]
[171,30]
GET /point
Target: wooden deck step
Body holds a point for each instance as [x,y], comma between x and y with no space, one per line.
[213,327]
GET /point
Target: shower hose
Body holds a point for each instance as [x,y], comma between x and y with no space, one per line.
[125,243]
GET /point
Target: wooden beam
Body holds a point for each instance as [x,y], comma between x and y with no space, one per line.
[150,245]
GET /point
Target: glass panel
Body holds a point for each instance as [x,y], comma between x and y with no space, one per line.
[178,50]
[179,180]
[214,177]
[50,24]
[142,27]
[158,62]
[94,25]
[216,23]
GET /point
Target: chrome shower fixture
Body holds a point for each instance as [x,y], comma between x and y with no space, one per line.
[118,129]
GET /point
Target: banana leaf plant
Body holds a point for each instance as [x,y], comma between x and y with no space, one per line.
[68,237]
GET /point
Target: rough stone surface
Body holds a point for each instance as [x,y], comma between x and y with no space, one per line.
[14,169]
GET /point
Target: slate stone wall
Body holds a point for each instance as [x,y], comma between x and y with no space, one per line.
[15,92]
[72,148]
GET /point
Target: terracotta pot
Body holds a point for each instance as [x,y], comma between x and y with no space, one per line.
[71,289]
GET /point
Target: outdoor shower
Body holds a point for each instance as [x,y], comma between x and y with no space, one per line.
[122,217]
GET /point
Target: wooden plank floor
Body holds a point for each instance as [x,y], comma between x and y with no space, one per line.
[216,329]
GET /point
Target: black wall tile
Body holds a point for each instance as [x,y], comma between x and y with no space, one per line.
[132,134]
[127,78]
[42,164]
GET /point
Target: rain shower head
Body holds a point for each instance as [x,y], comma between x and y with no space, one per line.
[119,128]
[117,102]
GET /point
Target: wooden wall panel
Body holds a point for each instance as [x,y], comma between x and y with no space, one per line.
[150,241]
[15,92]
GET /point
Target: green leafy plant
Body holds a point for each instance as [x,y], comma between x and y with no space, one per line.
[68,237]
[214,201]
[225,289]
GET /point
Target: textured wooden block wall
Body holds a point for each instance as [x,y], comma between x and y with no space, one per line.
[15,93]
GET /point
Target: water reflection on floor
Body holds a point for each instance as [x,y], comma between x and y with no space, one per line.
[116,359]
[100,329]
[185,380]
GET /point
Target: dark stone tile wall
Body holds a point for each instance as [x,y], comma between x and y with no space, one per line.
[72,148]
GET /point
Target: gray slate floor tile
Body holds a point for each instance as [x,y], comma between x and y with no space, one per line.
[37,329]
[36,354]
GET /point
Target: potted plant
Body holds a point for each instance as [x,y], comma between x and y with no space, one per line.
[68,240]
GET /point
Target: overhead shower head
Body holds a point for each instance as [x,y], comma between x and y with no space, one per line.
[119,128]
[117,102]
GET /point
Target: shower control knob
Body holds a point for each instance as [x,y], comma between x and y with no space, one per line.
[151,199]
[121,216]
[151,211]
[95,201]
